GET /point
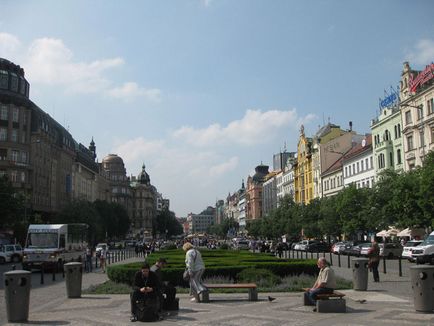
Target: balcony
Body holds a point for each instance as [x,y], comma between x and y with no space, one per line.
[384,145]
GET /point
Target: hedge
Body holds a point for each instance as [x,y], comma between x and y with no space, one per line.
[225,263]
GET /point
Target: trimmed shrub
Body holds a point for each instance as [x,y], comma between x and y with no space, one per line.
[262,277]
[224,246]
[221,263]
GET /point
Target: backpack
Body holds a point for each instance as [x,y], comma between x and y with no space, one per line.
[146,310]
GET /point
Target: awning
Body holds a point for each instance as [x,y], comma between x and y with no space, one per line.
[382,233]
[411,232]
[392,231]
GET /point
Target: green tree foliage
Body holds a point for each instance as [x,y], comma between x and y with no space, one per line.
[222,229]
[11,204]
[426,190]
[166,220]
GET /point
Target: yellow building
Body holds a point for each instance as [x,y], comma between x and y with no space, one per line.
[303,181]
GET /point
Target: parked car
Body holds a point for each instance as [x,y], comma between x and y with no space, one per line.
[338,247]
[364,248]
[424,253]
[390,250]
[318,247]
[11,253]
[99,247]
[408,248]
[242,244]
[355,250]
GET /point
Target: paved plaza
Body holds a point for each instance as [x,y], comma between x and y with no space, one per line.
[387,303]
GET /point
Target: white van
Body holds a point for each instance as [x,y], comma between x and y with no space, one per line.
[424,253]
[50,245]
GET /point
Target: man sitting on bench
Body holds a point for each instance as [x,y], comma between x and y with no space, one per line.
[325,283]
[145,294]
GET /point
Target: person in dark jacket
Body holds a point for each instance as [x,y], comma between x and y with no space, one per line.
[145,288]
[166,288]
[374,260]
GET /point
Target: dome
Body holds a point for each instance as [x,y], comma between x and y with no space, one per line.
[112,159]
[261,172]
[143,177]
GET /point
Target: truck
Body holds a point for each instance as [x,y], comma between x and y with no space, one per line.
[52,245]
[424,253]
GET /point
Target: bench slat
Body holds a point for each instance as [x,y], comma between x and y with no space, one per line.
[231,286]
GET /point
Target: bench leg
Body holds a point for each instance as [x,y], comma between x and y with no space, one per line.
[306,300]
[205,296]
[253,295]
[331,305]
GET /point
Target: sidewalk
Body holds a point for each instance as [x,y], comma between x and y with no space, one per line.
[387,303]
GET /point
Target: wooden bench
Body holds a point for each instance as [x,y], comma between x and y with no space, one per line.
[253,293]
[328,302]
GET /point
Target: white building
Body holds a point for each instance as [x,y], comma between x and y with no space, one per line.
[358,165]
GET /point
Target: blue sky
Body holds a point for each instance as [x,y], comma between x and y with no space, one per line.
[202,91]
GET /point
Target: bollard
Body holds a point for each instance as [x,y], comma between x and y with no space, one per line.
[42,274]
[384,265]
[17,295]
[54,273]
[348,261]
[96,262]
[422,283]
[339,259]
[74,272]
[360,273]
[331,258]
[297,253]
[400,265]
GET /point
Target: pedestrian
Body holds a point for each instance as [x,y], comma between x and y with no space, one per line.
[88,259]
[195,267]
[103,258]
[325,283]
[374,260]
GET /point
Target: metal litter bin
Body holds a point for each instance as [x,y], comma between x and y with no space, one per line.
[17,294]
[73,277]
[422,283]
[360,273]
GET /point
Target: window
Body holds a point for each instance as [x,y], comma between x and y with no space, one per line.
[410,142]
[23,176]
[24,118]
[3,134]
[399,130]
[361,165]
[23,137]
[398,156]
[422,138]
[14,135]
[3,154]
[24,157]
[430,106]
[15,114]
[408,117]
[14,82]
[346,171]
[14,156]
[432,135]
[14,176]
[396,132]
[4,113]
[22,86]
[4,79]
[358,170]
[391,158]
[419,112]
[367,183]
[367,165]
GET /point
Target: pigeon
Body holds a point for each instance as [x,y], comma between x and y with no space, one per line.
[271,299]
[361,301]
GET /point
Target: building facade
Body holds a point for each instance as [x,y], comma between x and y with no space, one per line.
[303,176]
[254,193]
[417,114]
[358,165]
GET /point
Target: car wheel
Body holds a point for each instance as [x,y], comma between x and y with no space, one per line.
[16,259]
[2,260]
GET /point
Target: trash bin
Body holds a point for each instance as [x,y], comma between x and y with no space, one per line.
[17,294]
[360,273]
[422,283]
[73,276]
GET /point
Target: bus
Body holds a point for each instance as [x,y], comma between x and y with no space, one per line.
[52,245]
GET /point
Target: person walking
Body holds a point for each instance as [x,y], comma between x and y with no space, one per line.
[195,267]
[374,260]
[103,258]
[88,259]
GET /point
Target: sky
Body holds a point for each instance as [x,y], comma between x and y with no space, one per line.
[203,91]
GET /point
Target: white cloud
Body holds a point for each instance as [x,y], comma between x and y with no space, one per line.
[138,149]
[423,53]
[206,3]
[255,127]
[221,169]
[50,62]
[131,90]
[9,45]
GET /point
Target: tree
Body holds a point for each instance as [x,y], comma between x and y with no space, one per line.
[11,204]
[166,220]
[426,190]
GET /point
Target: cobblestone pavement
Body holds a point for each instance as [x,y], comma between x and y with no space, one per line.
[387,303]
